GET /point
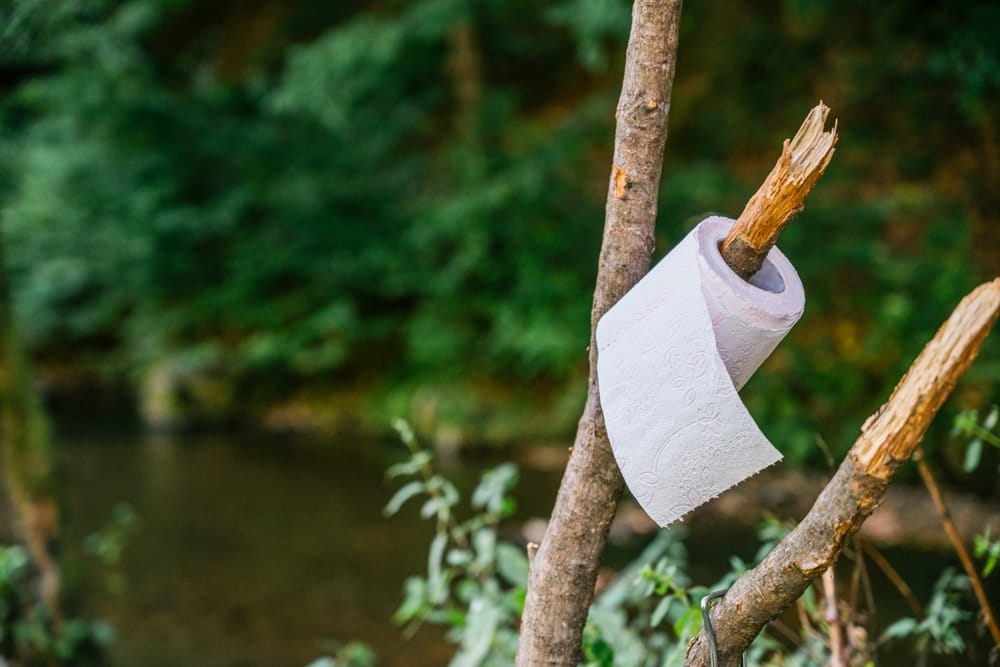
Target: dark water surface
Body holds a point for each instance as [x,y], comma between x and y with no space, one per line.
[251,550]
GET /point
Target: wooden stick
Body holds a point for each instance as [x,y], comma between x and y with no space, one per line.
[782,195]
[887,440]
[563,571]
[892,575]
[956,541]
[832,617]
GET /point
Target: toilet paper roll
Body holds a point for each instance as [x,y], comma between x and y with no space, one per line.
[672,355]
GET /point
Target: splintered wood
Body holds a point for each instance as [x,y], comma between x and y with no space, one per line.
[890,435]
[887,439]
[782,195]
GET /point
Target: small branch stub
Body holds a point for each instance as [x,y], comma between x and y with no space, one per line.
[782,195]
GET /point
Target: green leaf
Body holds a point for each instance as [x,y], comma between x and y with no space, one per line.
[965,423]
[437,585]
[981,543]
[399,498]
[459,557]
[660,612]
[484,541]
[323,662]
[904,627]
[491,491]
[430,508]
[483,619]
[411,466]
[973,455]
[414,601]
[991,418]
[991,562]
[404,430]
[512,564]
[600,652]
[689,623]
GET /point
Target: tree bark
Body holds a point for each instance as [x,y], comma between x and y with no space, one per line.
[888,438]
[26,456]
[564,569]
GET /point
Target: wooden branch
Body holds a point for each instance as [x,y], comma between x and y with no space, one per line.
[892,575]
[564,569]
[782,195]
[956,542]
[831,614]
[888,438]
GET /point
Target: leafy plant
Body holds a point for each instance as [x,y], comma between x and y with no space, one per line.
[938,631]
[108,544]
[987,549]
[474,585]
[28,633]
[351,654]
[967,424]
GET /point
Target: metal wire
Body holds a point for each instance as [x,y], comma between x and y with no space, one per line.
[713,652]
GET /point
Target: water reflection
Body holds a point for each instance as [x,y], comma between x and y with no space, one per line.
[251,550]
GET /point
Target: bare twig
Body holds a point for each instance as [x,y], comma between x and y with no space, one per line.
[893,576]
[564,569]
[956,541]
[860,579]
[782,195]
[832,617]
[887,439]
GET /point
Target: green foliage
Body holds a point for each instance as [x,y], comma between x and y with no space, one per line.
[646,617]
[322,204]
[967,425]
[988,550]
[473,585]
[595,24]
[108,544]
[938,631]
[27,633]
[351,654]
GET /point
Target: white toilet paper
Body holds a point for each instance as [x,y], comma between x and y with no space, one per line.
[672,354]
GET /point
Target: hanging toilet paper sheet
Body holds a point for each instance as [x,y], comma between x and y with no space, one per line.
[672,355]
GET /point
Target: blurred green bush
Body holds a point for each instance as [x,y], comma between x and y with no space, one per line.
[400,195]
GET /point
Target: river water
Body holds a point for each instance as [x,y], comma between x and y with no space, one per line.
[250,551]
[256,550]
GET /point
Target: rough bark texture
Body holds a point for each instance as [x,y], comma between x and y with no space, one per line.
[782,195]
[564,569]
[26,461]
[888,439]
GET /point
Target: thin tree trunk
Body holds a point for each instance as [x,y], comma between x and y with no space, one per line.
[564,569]
[27,454]
[888,439]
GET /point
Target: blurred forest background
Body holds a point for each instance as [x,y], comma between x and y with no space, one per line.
[319,215]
